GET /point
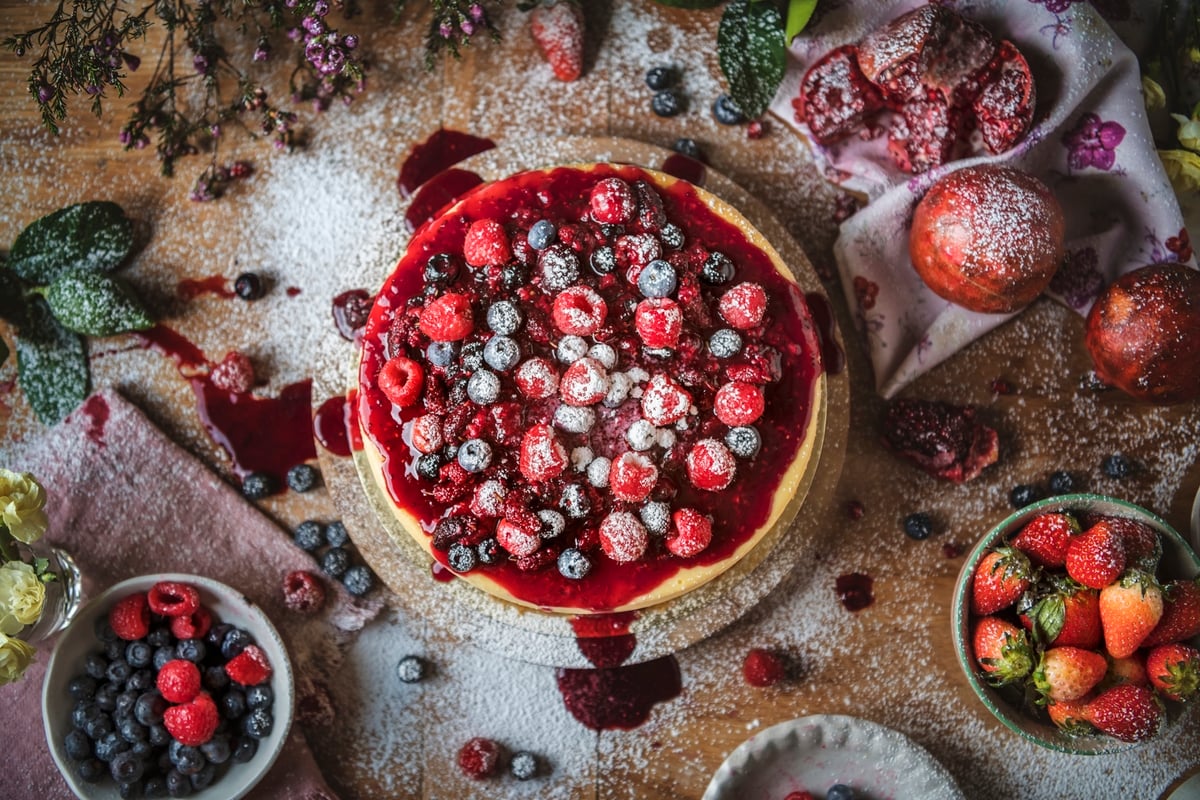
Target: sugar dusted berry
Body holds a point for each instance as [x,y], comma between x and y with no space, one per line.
[710,465]
[632,477]
[303,592]
[743,441]
[743,306]
[411,669]
[257,485]
[558,267]
[763,668]
[573,564]
[483,387]
[448,318]
[739,403]
[579,311]
[667,103]
[918,525]
[474,455]
[664,401]
[523,765]
[479,758]
[725,343]
[302,478]
[501,353]
[234,374]
[486,244]
[249,286]
[542,456]
[692,533]
[657,279]
[659,322]
[537,378]
[585,383]
[359,580]
[541,234]
[461,557]
[173,599]
[516,539]
[623,537]
[718,269]
[250,667]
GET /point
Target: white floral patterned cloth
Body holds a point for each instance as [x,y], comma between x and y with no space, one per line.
[1090,143]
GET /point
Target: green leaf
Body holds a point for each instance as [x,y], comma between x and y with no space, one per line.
[752,51]
[94,236]
[690,3]
[52,366]
[1048,617]
[12,297]
[95,304]
[798,14]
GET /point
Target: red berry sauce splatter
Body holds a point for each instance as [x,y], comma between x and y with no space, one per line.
[440,151]
[685,168]
[854,589]
[191,288]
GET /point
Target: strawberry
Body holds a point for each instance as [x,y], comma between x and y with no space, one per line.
[130,617]
[1096,557]
[1070,716]
[192,626]
[1174,669]
[743,306]
[558,31]
[401,381]
[1003,651]
[1142,546]
[1127,712]
[738,403]
[659,322]
[623,537]
[664,401]
[542,456]
[693,533]
[1068,673]
[449,318]
[579,311]
[632,476]
[763,668]
[249,667]
[1129,610]
[171,599]
[193,723]
[1129,669]
[1045,539]
[1181,614]
[486,244]
[178,681]
[1000,578]
[710,465]
[1069,617]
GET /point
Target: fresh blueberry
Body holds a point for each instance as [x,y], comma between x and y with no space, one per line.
[132,731]
[1117,466]
[839,791]
[573,564]
[95,665]
[461,557]
[726,111]
[411,669]
[78,745]
[119,670]
[109,745]
[215,677]
[158,735]
[575,502]
[244,748]
[504,317]
[659,78]
[483,387]
[139,654]
[178,784]
[258,723]
[335,562]
[429,466]
[523,765]
[260,696]
[204,778]
[541,235]
[302,478]
[84,711]
[441,268]
[141,680]
[501,354]
[82,687]
[90,770]
[725,343]
[918,526]
[475,455]
[553,523]
[672,236]
[1061,482]
[257,485]
[657,279]
[744,441]
[114,651]
[441,354]
[98,727]
[233,704]
[718,269]
[216,750]
[309,535]
[103,630]
[162,655]
[612,231]
[603,260]
[160,636]
[236,640]
[106,696]
[191,650]
[125,702]
[336,534]
[488,551]
[688,147]
[150,707]
[1022,495]
[666,103]
[358,580]
[154,786]
[248,286]
[216,634]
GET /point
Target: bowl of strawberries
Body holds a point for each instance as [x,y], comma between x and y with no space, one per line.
[1077,622]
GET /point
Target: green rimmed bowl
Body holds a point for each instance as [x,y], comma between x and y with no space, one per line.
[1178,561]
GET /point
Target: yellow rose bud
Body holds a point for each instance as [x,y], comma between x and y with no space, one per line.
[22,596]
[1154,95]
[15,657]
[1189,132]
[21,502]
[1183,168]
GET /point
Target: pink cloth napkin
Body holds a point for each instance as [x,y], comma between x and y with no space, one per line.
[1090,144]
[125,500]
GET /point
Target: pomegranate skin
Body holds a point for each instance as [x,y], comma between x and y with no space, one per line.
[988,238]
[1143,334]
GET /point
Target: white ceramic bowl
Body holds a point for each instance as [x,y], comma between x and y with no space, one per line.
[226,605]
[1178,561]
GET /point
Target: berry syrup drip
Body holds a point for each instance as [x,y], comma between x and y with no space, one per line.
[437,193]
[439,152]
[441,573]
[95,408]
[832,355]
[619,698]
[685,168]
[350,312]
[191,288]
[854,589]
[260,434]
[736,513]
[331,426]
[293,291]
[604,639]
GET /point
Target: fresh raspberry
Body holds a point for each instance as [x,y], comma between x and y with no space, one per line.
[486,244]
[585,383]
[738,403]
[171,599]
[580,311]
[763,668]
[479,758]
[249,667]
[542,456]
[178,681]
[427,433]
[710,465]
[194,723]
[130,617]
[612,202]
[449,318]
[623,537]
[235,373]
[664,401]
[517,540]
[743,305]
[692,534]
[192,626]
[537,378]
[659,321]
[632,476]
[303,592]
[634,251]
[401,381]
[488,501]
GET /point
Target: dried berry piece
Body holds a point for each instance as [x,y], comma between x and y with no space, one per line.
[944,440]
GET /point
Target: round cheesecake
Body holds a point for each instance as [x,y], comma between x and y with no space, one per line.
[589,388]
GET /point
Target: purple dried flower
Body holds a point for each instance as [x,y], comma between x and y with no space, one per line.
[314,25]
[92,89]
[351,41]
[335,59]
[321,8]
[125,137]
[290,3]
[476,12]
[445,29]
[214,131]
[294,34]
[314,52]
[467,27]
[131,61]
[45,93]
[141,142]
[262,51]
[200,63]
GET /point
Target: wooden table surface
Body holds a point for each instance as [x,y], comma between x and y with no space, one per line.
[891,662]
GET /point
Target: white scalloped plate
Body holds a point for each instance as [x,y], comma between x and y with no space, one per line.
[813,753]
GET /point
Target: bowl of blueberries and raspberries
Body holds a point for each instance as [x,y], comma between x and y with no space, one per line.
[167,685]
